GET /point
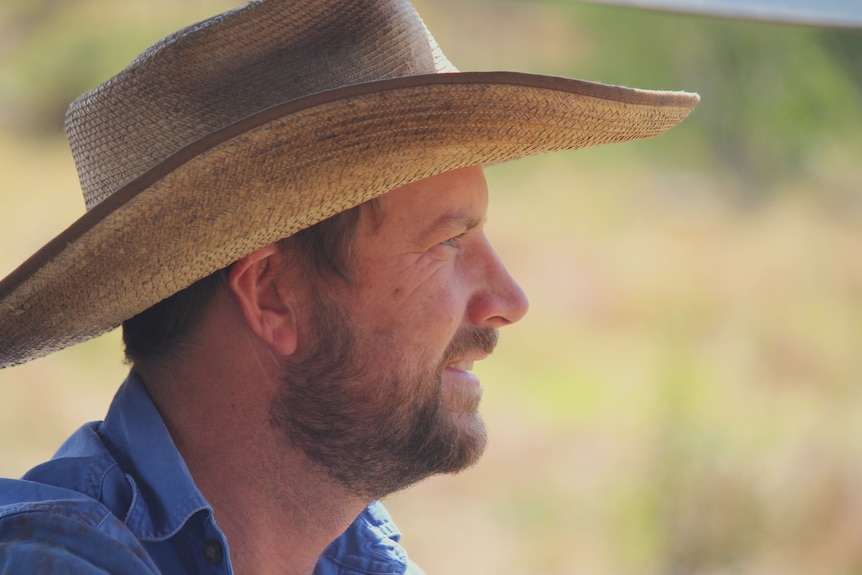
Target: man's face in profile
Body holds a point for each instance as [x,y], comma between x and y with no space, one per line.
[382,394]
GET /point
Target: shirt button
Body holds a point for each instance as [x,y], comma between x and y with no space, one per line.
[213,552]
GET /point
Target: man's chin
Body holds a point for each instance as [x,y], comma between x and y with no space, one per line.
[461,398]
[470,444]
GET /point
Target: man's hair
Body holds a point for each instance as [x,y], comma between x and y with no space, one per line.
[325,249]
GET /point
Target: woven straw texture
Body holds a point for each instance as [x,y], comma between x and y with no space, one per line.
[246,128]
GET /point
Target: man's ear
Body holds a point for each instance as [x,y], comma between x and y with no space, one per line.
[260,287]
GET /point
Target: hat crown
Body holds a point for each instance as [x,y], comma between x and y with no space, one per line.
[214,73]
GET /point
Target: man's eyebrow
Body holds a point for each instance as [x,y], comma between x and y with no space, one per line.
[451,221]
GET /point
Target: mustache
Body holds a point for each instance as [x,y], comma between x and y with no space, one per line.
[470,340]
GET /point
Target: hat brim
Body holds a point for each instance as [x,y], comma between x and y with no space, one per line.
[288,167]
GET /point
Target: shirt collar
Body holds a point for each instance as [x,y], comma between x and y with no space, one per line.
[165,496]
[370,545]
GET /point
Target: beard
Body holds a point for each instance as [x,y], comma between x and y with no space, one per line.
[374,429]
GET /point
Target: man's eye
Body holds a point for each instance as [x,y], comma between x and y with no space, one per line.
[453,242]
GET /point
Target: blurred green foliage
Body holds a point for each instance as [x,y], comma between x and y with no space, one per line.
[772,94]
[52,51]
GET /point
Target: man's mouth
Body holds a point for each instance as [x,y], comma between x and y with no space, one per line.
[466,365]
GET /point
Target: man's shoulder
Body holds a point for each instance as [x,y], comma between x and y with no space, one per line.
[83,467]
[50,529]
[67,514]
[23,500]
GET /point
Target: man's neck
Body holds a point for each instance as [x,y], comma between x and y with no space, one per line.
[273,523]
[278,510]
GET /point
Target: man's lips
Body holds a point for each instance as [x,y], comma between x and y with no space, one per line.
[464,365]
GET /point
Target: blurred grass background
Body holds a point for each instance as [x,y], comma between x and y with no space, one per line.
[684,396]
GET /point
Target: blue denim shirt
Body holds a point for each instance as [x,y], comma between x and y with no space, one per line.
[118,498]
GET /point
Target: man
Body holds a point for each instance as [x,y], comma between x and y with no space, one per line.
[285,212]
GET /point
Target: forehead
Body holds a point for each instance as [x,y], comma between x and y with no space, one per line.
[444,200]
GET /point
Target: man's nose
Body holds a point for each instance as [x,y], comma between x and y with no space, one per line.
[500,301]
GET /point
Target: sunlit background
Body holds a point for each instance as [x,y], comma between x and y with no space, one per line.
[685,396]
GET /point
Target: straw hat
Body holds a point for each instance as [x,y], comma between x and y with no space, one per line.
[245,128]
